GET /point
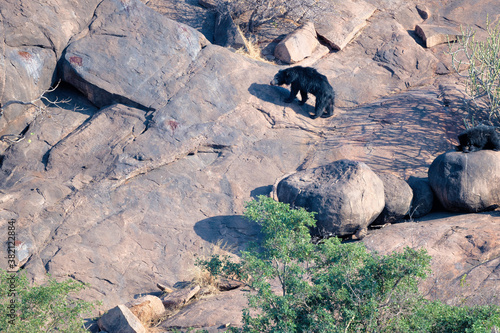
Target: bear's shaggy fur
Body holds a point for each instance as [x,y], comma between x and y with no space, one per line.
[307,80]
[478,138]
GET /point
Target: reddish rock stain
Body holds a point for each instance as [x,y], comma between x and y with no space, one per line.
[173,125]
[75,60]
[25,55]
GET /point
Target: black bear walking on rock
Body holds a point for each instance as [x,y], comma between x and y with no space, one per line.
[307,80]
[478,138]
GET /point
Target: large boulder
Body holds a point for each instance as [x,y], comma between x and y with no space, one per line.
[467,182]
[338,23]
[347,195]
[151,51]
[298,45]
[423,197]
[398,196]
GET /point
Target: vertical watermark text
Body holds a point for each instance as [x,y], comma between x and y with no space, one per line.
[11,271]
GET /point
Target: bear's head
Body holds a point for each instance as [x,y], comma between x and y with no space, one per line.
[281,78]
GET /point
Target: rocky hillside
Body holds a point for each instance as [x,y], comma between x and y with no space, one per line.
[156,137]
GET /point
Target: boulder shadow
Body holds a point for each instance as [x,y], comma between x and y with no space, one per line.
[262,190]
[234,231]
[277,95]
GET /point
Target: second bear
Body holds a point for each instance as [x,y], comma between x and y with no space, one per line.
[307,80]
[478,138]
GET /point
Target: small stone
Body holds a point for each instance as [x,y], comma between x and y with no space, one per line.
[435,34]
[120,320]
[164,288]
[180,297]
[147,309]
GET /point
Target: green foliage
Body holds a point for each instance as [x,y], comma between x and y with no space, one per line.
[340,287]
[44,308]
[331,286]
[221,265]
[436,317]
[482,61]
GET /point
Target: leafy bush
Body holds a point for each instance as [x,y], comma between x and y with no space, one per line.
[44,308]
[482,59]
[339,287]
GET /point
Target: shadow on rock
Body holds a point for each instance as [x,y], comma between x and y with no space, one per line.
[235,231]
[277,95]
[262,190]
[404,132]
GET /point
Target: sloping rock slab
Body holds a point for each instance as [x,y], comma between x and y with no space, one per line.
[467,182]
[210,313]
[338,21]
[464,249]
[150,51]
[34,34]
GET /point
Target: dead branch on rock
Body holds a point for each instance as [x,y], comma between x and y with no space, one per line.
[36,102]
[40,103]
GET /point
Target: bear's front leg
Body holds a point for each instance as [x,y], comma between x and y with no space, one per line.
[303,94]
[293,92]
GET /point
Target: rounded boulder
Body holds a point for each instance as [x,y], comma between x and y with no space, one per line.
[398,197]
[346,195]
[467,182]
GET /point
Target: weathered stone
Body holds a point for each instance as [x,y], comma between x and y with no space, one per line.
[423,197]
[30,48]
[227,33]
[179,297]
[210,313]
[150,49]
[338,24]
[164,288]
[119,217]
[147,309]
[398,196]
[228,284]
[408,16]
[120,320]
[346,195]
[467,182]
[297,45]
[433,35]
[464,251]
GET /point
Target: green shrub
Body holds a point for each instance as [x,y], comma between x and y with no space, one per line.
[482,62]
[339,287]
[29,308]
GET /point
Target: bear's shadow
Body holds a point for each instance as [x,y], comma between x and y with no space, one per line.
[277,95]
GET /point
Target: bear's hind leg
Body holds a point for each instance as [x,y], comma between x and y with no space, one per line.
[320,108]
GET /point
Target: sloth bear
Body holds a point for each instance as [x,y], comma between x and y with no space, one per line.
[477,138]
[307,80]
